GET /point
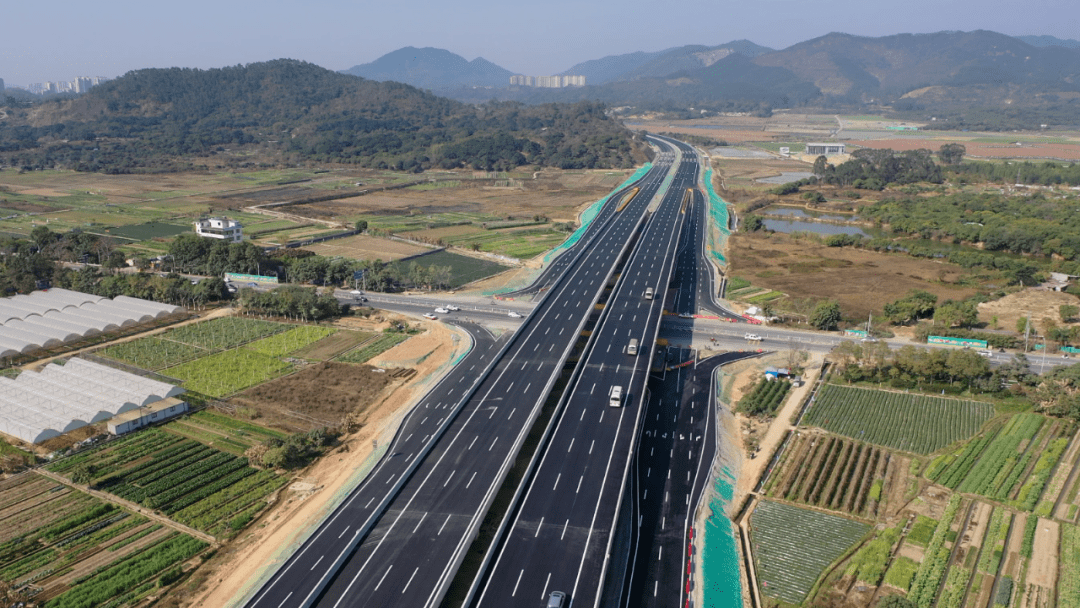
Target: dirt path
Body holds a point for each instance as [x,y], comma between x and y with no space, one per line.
[1043,569]
[752,469]
[239,566]
[130,506]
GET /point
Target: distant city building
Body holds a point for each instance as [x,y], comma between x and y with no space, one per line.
[825,149]
[548,82]
[83,84]
[220,228]
[1,86]
[80,85]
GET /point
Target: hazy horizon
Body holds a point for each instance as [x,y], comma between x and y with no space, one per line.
[113,37]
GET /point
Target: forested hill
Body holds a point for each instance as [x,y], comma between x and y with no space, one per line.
[287,111]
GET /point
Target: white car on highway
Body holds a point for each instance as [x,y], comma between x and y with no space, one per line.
[441,311]
[428,315]
[452,307]
[514,315]
[752,337]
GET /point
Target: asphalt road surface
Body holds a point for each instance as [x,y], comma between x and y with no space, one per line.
[399,543]
[561,532]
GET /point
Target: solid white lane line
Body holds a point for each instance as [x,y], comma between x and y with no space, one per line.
[384,577]
[543,595]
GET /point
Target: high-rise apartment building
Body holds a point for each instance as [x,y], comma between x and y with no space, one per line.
[548,82]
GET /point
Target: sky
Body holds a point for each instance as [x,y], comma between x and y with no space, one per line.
[62,39]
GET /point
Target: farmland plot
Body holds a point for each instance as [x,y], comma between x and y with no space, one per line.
[225,332]
[214,491]
[1011,465]
[792,546]
[902,421]
[227,372]
[850,479]
[1069,564]
[67,553]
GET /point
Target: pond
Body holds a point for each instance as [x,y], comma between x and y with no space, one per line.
[799,212]
[789,226]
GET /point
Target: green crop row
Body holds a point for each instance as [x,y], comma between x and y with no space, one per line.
[910,422]
[164,499]
[995,533]
[868,565]
[1069,567]
[1002,451]
[218,507]
[1032,489]
[936,558]
[951,476]
[955,588]
[373,348]
[212,488]
[128,573]
[139,493]
[901,572]
[134,537]
[765,398]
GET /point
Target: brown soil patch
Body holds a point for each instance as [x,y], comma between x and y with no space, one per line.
[861,281]
[325,391]
[363,247]
[1043,569]
[911,551]
[1040,304]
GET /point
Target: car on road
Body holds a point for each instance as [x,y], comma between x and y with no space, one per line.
[514,315]
[356,292]
[986,353]
[428,315]
[869,339]
[556,600]
[452,307]
[441,311]
[752,337]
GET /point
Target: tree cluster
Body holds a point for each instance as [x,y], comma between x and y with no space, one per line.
[870,169]
[160,119]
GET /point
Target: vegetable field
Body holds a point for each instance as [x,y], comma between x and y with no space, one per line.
[833,473]
[59,546]
[373,348]
[766,397]
[792,546]
[227,372]
[1069,567]
[290,341]
[1010,464]
[913,423]
[198,485]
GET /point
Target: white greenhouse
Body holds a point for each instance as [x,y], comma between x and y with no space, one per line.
[53,317]
[38,406]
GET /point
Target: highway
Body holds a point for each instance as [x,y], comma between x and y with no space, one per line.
[401,536]
[561,532]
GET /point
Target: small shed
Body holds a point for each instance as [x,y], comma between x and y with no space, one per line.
[148,414]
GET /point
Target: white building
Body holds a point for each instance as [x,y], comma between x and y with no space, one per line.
[825,149]
[220,228]
[145,415]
